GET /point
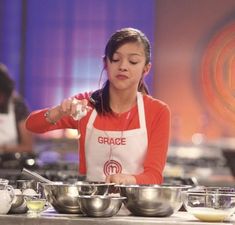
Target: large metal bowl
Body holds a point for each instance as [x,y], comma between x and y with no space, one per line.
[100,206]
[152,200]
[64,197]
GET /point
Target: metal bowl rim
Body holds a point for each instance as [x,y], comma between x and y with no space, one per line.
[213,187]
[155,186]
[198,193]
[102,197]
[80,185]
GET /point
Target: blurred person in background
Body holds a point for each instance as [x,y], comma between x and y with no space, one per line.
[14,137]
[124,132]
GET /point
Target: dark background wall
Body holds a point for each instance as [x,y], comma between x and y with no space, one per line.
[54,48]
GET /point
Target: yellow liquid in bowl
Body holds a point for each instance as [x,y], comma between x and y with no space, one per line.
[36,204]
[210,215]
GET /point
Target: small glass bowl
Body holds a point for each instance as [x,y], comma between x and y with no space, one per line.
[35,204]
[210,204]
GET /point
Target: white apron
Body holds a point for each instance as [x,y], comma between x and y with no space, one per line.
[126,153]
[8,131]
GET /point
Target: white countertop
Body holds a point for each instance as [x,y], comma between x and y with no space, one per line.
[122,218]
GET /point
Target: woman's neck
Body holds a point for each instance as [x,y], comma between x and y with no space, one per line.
[122,101]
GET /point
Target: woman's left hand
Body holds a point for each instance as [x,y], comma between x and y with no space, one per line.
[121,178]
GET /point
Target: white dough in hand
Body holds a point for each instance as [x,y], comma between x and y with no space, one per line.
[79,112]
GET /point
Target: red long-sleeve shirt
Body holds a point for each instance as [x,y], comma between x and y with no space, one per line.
[157,117]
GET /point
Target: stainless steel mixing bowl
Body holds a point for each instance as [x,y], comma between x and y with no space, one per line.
[64,197]
[18,205]
[26,184]
[152,200]
[100,206]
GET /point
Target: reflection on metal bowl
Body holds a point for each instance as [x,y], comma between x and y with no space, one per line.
[64,197]
[152,200]
[26,184]
[100,206]
[95,187]
[18,205]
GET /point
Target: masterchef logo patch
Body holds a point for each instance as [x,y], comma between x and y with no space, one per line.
[111,140]
[112,167]
[218,74]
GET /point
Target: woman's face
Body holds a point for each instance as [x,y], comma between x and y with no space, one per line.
[127,67]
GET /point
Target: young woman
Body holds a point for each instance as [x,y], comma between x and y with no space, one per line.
[14,137]
[125,132]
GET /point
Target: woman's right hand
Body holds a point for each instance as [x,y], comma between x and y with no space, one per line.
[74,107]
[70,107]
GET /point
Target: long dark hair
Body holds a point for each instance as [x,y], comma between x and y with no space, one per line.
[100,98]
[7,86]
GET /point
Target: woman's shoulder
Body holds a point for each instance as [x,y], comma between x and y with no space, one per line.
[150,101]
[21,107]
[156,109]
[19,101]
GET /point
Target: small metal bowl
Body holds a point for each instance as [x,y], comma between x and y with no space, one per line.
[64,197]
[95,187]
[152,200]
[100,206]
[18,205]
[26,184]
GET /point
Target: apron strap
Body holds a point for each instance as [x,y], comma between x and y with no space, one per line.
[141,111]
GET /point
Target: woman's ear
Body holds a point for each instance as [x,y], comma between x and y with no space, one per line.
[147,69]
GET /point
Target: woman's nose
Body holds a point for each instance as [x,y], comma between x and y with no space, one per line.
[123,65]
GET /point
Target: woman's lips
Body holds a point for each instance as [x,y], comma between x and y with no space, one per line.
[121,77]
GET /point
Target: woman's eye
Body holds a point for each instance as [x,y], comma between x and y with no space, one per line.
[115,60]
[133,62]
